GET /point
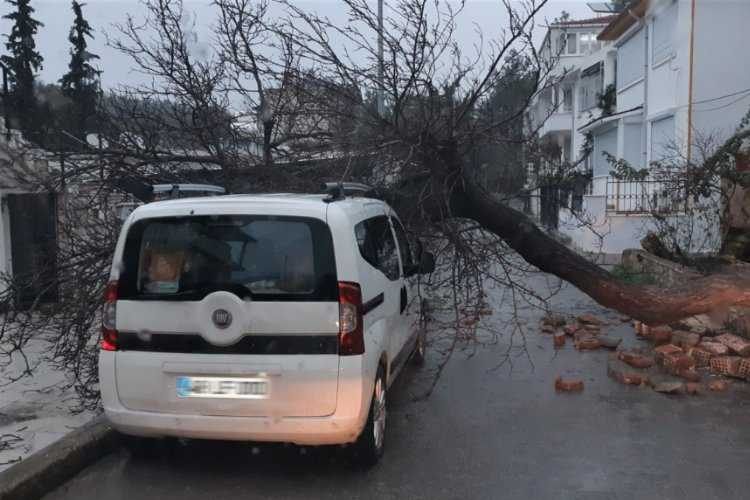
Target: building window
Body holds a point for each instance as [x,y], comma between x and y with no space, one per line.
[590,87]
[631,150]
[663,146]
[630,60]
[662,44]
[571,45]
[604,143]
[567,99]
[589,43]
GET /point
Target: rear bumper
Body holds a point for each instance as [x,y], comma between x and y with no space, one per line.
[306,431]
[343,426]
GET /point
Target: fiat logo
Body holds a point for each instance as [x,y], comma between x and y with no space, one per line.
[222,318]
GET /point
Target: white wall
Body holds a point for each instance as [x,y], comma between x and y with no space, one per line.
[721,65]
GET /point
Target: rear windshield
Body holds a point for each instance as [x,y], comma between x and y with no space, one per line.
[259,257]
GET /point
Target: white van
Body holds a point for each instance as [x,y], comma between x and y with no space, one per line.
[263,318]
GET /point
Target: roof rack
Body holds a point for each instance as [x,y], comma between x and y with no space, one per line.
[340,190]
[174,190]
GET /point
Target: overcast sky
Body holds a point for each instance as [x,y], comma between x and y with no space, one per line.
[117,68]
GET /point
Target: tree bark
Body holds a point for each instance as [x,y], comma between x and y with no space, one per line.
[651,304]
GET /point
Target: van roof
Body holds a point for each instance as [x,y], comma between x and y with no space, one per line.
[300,204]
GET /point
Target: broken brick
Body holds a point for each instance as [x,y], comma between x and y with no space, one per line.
[689,374]
[677,362]
[718,385]
[661,335]
[725,365]
[568,385]
[587,343]
[548,328]
[734,343]
[743,368]
[624,319]
[701,356]
[685,339]
[559,339]
[635,360]
[589,319]
[715,348]
[663,350]
[625,374]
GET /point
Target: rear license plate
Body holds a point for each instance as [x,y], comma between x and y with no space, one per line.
[221,387]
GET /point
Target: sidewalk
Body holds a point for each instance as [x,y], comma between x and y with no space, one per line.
[34,410]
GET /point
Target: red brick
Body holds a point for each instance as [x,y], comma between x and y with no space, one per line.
[548,328]
[743,368]
[701,356]
[559,339]
[587,343]
[715,348]
[735,343]
[568,385]
[718,385]
[635,360]
[725,365]
[663,352]
[667,349]
[624,374]
[571,329]
[689,374]
[677,362]
[661,335]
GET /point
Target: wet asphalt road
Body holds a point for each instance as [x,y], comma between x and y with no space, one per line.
[484,433]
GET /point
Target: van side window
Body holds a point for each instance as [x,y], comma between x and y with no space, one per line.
[377,246]
[407,258]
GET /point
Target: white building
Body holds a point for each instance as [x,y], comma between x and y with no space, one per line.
[679,75]
[567,98]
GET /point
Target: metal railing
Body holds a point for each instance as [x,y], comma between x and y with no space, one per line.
[644,196]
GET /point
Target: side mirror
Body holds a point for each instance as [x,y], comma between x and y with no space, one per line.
[426,263]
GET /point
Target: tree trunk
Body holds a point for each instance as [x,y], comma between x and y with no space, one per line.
[650,304]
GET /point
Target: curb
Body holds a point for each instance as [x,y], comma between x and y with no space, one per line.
[50,467]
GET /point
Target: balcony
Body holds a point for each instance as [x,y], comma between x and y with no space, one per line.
[556,123]
[644,197]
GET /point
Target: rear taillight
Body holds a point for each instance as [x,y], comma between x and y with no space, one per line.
[109,312]
[351,329]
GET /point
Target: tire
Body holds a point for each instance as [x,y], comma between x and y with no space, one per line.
[419,355]
[371,441]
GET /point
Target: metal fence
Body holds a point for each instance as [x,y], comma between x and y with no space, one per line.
[644,196]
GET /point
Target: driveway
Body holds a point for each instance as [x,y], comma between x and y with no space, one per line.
[485,432]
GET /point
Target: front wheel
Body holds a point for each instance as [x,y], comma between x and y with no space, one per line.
[371,442]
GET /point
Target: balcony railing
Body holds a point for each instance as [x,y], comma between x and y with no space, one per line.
[644,196]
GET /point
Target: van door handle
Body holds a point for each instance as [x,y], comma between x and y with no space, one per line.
[404,299]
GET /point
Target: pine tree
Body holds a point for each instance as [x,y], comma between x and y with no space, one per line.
[22,62]
[81,83]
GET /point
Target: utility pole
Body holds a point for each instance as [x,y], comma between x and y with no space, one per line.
[381,70]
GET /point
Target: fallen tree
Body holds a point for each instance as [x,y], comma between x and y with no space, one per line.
[407,122]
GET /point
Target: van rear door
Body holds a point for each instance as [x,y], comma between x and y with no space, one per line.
[228,315]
